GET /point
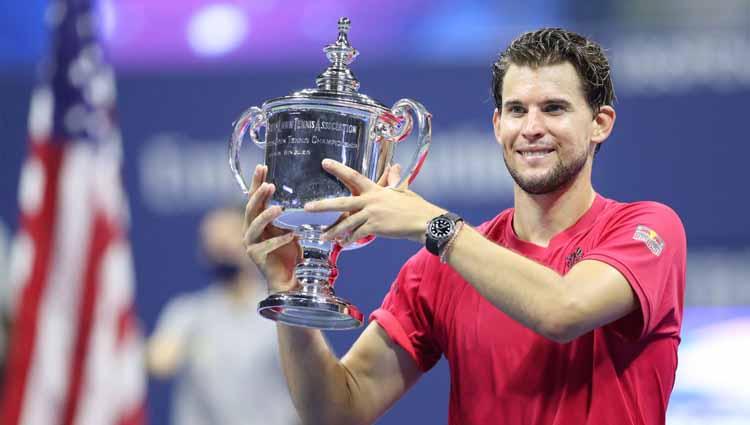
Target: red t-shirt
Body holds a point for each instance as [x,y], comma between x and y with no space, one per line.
[504,373]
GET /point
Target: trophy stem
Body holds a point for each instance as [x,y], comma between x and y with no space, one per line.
[317,270]
[314,304]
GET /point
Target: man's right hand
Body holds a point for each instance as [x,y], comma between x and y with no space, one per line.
[273,250]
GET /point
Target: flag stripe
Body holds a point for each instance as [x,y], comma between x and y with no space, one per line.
[101,236]
[126,325]
[39,228]
[111,359]
[60,304]
[136,416]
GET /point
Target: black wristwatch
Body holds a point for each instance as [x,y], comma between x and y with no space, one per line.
[439,231]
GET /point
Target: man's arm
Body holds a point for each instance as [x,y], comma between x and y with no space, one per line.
[561,308]
[325,390]
[590,295]
[354,390]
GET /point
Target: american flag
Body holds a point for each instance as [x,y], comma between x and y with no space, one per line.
[76,350]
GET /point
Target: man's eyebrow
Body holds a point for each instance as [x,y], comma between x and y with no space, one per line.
[558,101]
[554,100]
[512,102]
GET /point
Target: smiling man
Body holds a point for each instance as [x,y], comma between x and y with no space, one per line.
[565,309]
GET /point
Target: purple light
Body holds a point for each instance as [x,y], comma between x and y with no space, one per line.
[217,29]
[145,34]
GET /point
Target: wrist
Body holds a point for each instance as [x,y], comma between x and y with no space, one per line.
[448,248]
[440,230]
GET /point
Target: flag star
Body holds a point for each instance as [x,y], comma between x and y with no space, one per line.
[40,115]
[84,66]
[100,91]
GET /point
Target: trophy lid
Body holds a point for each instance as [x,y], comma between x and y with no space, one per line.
[337,82]
[338,77]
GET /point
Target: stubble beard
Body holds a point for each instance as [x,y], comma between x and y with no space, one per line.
[560,176]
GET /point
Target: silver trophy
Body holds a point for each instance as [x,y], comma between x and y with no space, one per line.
[331,121]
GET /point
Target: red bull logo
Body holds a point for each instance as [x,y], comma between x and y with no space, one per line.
[653,241]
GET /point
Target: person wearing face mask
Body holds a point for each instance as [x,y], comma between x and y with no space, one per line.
[222,353]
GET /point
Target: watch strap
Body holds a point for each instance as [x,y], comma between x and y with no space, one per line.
[432,245]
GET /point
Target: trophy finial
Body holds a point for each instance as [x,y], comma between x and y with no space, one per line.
[338,76]
[344,24]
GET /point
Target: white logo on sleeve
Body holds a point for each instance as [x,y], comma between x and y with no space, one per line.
[653,241]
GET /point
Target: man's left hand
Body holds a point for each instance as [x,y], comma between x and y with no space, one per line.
[391,212]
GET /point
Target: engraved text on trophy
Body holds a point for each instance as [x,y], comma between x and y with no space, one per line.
[297,142]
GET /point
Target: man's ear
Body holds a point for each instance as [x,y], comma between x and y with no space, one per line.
[496,123]
[604,122]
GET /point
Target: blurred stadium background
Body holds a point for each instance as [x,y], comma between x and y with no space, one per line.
[186,69]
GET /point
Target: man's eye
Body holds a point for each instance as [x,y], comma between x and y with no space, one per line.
[553,107]
[516,110]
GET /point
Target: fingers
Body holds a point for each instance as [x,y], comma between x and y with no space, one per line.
[383,180]
[258,252]
[356,182]
[361,232]
[258,201]
[256,227]
[345,227]
[258,177]
[394,175]
[348,203]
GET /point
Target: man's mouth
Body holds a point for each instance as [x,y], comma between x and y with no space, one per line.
[534,153]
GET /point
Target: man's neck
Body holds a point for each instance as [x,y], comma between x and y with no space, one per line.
[538,218]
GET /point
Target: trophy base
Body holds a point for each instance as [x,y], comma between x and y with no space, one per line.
[325,312]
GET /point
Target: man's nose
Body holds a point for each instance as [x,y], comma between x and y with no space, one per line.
[533,128]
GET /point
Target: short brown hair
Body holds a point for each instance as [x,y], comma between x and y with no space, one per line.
[551,46]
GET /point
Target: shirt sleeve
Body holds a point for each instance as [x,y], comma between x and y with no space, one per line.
[406,316]
[646,242]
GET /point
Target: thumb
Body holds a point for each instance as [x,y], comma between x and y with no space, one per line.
[394,175]
[383,180]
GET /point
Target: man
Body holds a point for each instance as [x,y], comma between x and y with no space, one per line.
[225,355]
[565,309]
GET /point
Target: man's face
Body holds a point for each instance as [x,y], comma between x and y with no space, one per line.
[545,126]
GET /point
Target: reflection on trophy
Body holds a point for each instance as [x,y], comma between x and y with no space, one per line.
[331,121]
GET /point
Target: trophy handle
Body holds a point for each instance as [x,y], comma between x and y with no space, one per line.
[249,122]
[406,110]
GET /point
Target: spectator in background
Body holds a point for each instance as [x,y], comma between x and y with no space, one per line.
[223,352]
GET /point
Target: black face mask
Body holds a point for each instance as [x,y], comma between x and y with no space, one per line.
[223,271]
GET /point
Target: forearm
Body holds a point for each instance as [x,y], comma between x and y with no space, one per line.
[532,294]
[318,383]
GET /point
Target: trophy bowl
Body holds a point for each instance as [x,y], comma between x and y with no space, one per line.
[331,121]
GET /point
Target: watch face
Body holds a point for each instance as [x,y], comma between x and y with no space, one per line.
[441,228]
